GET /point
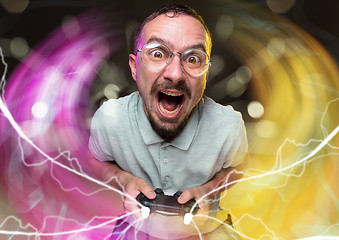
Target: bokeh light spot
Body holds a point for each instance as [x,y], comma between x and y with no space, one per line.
[39,110]
[234,88]
[70,26]
[243,74]
[280,6]
[255,109]
[276,47]
[237,84]
[217,66]
[19,47]
[14,6]
[111,91]
[224,27]
[265,129]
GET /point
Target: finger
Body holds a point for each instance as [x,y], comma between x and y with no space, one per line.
[185,197]
[133,189]
[146,189]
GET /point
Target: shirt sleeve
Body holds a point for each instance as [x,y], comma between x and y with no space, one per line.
[237,146]
[99,136]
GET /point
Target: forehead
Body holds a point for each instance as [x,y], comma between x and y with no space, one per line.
[179,32]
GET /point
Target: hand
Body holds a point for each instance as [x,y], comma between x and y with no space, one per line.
[219,183]
[132,186]
[197,193]
[110,172]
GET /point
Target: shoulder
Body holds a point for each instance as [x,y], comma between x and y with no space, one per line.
[114,110]
[111,105]
[218,114]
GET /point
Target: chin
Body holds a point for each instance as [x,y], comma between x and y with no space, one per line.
[166,130]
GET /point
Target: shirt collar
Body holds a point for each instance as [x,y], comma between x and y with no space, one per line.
[182,141]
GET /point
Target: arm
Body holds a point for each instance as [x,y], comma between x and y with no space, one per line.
[219,181]
[122,180]
[237,155]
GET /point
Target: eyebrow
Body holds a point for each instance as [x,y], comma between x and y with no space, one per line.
[162,41]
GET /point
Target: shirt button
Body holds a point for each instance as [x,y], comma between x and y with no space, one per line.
[167,178]
[165,160]
[165,145]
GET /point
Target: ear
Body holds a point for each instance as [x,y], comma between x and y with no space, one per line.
[133,65]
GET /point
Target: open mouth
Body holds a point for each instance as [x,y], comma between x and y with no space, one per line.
[170,103]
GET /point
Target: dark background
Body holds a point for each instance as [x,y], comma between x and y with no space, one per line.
[41,17]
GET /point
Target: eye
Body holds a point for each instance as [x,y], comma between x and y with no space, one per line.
[157,54]
[192,59]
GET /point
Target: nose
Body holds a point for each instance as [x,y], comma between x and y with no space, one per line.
[174,71]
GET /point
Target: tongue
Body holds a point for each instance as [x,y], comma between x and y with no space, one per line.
[169,103]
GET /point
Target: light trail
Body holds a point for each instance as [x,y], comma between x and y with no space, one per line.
[6,113]
[244,50]
[21,134]
[17,128]
[320,238]
[234,230]
[42,234]
[269,173]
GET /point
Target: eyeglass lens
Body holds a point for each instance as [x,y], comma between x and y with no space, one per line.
[156,56]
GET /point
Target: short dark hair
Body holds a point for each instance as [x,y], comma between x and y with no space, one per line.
[176,9]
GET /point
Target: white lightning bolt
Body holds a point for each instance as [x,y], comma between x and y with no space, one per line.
[21,134]
[269,173]
[17,128]
[41,234]
[237,232]
[320,238]
[36,233]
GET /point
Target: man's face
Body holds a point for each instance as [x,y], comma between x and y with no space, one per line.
[169,95]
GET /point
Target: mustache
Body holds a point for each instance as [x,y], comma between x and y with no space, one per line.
[181,86]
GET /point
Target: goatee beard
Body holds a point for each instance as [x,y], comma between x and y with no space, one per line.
[167,134]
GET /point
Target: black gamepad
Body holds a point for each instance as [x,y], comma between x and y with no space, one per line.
[167,205]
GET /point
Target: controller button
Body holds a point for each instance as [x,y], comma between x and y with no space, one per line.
[158,191]
[177,194]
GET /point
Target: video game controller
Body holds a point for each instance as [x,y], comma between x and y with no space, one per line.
[167,205]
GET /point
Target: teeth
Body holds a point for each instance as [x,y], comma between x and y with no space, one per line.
[172,94]
[166,111]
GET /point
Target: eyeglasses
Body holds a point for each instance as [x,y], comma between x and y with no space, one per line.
[157,56]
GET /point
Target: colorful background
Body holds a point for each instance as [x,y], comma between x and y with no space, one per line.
[274,61]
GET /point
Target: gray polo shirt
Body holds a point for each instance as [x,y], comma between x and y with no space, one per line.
[214,138]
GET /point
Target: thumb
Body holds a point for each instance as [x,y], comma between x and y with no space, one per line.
[185,197]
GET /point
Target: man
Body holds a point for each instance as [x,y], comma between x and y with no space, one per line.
[168,135]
